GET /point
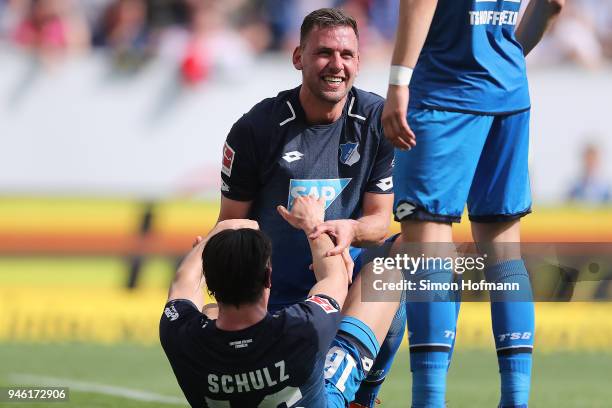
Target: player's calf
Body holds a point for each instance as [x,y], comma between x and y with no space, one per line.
[432,327]
[512,317]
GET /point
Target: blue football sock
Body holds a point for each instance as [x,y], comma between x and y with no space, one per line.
[370,387]
[512,316]
[428,378]
[431,326]
[457,309]
[515,371]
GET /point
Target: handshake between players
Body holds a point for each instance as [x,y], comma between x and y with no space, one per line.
[237,354]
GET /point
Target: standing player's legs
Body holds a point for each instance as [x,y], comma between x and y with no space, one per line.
[512,313]
[364,327]
[499,197]
[432,183]
[431,322]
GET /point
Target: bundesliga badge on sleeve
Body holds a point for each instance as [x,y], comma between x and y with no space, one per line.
[228,160]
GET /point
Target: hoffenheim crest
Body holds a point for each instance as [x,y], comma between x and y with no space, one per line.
[349,153]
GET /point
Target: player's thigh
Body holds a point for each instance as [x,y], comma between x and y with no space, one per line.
[500,190]
[432,180]
[348,361]
[374,298]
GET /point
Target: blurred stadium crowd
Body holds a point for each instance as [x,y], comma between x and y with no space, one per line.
[196,34]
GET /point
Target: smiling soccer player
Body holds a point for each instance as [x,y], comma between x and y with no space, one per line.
[323,138]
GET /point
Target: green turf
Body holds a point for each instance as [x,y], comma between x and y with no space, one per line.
[560,380]
[129,366]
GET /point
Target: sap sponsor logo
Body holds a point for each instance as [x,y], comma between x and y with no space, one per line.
[325,304]
[514,336]
[228,160]
[349,153]
[385,184]
[492,17]
[171,313]
[404,210]
[290,157]
[328,189]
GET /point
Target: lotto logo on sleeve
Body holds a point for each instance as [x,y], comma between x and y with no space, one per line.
[328,189]
[228,160]
[325,304]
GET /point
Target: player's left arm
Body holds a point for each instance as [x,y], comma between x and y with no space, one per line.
[370,229]
[189,283]
[538,17]
[373,226]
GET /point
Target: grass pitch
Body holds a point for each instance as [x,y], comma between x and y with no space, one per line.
[573,379]
[82,300]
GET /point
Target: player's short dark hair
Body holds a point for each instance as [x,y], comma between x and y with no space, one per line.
[235,264]
[325,18]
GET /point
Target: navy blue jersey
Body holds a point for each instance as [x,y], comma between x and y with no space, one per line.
[272,156]
[471,60]
[277,362]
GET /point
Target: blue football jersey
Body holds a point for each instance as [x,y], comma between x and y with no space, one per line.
[471,61]
[272,155]
[276,363]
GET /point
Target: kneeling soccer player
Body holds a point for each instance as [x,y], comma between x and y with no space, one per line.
[237,354]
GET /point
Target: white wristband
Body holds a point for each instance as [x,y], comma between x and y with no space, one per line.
[400,75]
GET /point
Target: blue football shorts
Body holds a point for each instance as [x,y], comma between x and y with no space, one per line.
[459,159]
[349,359]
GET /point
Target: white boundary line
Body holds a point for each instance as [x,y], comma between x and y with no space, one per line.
[96,388]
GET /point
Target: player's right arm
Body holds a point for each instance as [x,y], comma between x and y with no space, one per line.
[239,171]
[330,271]
[233,209]
[415,18]
[538,17]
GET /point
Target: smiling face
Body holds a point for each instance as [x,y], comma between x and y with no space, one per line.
[329,61]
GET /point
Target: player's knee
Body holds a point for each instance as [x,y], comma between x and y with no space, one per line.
[496,232]
[415,230]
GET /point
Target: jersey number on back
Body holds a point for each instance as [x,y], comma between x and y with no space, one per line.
[288,396]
